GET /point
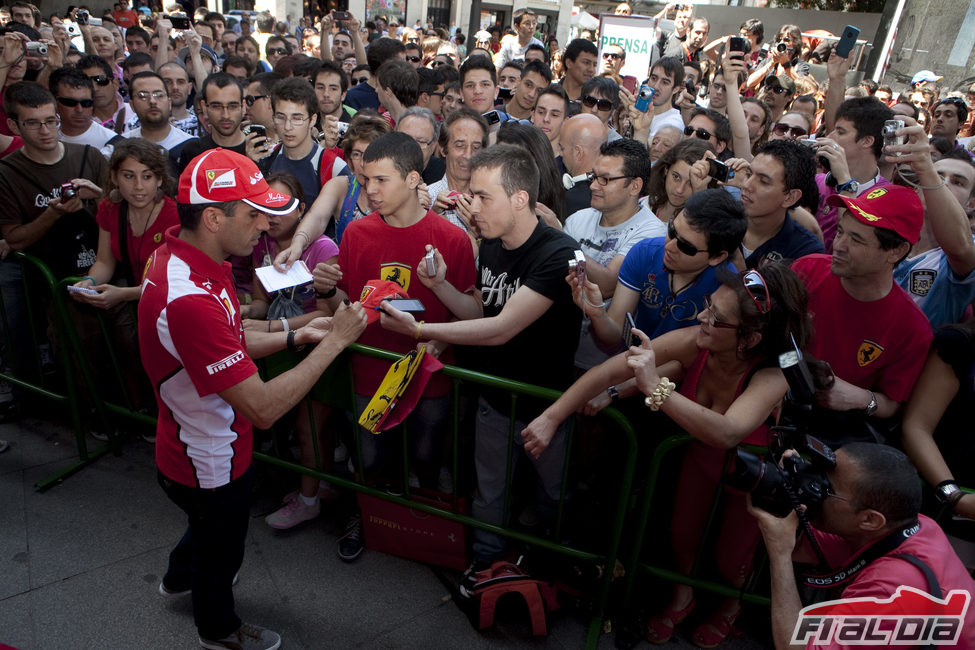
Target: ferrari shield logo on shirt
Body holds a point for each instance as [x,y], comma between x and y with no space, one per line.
[217,178]
[868,353]
[396,272]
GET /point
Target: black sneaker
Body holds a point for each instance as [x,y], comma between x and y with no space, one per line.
[350,544]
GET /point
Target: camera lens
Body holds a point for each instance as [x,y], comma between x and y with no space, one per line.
[781,47]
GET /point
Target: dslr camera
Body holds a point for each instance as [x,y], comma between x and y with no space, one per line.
[780,485]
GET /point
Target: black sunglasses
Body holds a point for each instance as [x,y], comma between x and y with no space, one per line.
[778,90]
[71,102]
[684,246]
[611,55]
[413,58]
[703,134]
[791,131]
[360,80]
[601,104]
[437,64]
[250,99]
[276,50]
[101,80]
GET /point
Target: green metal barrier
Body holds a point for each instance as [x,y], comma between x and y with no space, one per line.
[634,565]
[36,275]
[338,394]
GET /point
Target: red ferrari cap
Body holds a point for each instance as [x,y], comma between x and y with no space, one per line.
[221,176]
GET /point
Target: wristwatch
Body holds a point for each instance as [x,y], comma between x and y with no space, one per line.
[871,405]
[850,186]
[613,393]
[948,492]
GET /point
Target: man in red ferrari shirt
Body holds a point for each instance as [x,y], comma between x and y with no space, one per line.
[198,358]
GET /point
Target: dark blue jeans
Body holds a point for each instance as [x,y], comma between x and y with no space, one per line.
[211,551]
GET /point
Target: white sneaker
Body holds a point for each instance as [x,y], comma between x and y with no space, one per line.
[291,514]
[247,637]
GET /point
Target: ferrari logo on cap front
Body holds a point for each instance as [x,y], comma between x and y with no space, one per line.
[877,193]
[217,178]
[868,353]
[865,215]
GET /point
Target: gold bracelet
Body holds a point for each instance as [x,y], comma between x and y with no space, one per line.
[660,394]
[418,326]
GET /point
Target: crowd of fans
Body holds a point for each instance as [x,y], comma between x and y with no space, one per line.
[746,208]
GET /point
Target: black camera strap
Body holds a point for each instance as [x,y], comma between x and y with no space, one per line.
[818,587]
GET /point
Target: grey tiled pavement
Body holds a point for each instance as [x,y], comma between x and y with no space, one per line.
[80,564]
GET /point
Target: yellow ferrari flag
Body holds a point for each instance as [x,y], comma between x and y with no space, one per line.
[393,386]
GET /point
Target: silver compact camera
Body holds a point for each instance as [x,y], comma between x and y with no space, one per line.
[36,48]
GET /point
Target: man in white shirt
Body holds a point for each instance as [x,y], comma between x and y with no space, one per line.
[513,49]
[150,100]
[74,93]
[615,222]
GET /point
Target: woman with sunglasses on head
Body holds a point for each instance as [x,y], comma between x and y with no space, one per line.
[729,385]
[781,57]
[670,180]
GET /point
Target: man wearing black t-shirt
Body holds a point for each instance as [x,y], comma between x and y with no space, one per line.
[522,318]
[223,101]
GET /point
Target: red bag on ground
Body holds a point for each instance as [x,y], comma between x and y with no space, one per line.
[412,534]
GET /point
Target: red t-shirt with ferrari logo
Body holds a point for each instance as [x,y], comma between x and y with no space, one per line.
[371,249]
[879,345]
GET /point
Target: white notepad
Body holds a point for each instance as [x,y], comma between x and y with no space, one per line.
[274,280]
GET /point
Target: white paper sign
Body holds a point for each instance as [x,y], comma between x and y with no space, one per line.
[636,35]
[274,280]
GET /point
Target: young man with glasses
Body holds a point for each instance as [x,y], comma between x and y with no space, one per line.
[295,112]
[223,103]
[513,49]
[38,220]
[151,102]
[109,109]
[612,226]
[276,49]
[534,77]
[430,91]
[614,57]
[73,91]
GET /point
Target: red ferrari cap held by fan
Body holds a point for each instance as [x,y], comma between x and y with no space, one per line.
[891,206]
[219,176]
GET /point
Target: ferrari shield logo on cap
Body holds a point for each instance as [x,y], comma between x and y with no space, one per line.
[877,193]
[868,353]
[217,178]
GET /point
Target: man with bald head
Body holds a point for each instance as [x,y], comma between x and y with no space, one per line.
[579,141]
